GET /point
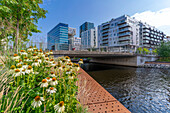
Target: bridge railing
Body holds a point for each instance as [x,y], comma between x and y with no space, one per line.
[71,47]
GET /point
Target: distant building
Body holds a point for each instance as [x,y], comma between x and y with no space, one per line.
[86,26]
[57,38]
[150,37]
[76,45]
[129,33]
[89,38]
[120,32]
[71,34]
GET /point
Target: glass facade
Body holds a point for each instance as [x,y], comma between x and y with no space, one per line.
[86,26]
[57,38]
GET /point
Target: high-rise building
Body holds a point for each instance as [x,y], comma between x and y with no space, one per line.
[57,38]
[120,32]
[129,33]
[89,38]
[150,37]
[86,26]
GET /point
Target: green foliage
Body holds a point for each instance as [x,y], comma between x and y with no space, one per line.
[21,88]
[140,50]
[18,18]
[145,50]
[164,49]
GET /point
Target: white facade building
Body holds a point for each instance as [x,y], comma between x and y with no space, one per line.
[89,38]
[76,43]
[120,32]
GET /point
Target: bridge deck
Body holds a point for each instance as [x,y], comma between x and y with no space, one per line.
[96,98]
[91,53]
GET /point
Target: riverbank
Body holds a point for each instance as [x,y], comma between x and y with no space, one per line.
[95,97]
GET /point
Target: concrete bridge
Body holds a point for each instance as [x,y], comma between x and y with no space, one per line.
[117,58]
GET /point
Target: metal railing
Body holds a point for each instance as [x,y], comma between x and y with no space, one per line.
[44,47]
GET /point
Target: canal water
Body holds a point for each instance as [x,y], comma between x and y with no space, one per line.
[141,90]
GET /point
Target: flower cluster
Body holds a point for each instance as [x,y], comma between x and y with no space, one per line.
[53,80]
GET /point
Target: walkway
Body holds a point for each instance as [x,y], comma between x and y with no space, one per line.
[97,99]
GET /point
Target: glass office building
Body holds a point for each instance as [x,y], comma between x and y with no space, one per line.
[86,26]
[57,38]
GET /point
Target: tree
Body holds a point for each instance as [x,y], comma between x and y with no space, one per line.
[22,17]
[164,49]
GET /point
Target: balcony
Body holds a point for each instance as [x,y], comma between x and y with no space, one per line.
[106,34]
[105,41]
[145,34]
[124,38]
[124,42]
[146,30]
[146,38]
[105,27]
[122,22]
[105,30]
[124,34]
[104,38]
[124,25]
[124,30]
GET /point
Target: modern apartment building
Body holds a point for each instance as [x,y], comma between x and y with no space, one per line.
[150,37]
[120,32]
[57,38]
[76,43]
[86,26]
[129,33]
[89,38]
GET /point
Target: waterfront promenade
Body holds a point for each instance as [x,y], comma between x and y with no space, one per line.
[95,97]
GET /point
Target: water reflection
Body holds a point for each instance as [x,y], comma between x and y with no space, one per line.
[141,90]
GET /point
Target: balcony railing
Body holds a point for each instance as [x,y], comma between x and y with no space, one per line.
[104,38]
[124,34]
[125,29]
[124,38]
[124,25]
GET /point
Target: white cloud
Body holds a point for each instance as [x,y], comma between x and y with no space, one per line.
[160,19]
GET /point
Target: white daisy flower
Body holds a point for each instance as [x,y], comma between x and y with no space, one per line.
[80,61]
[30,48]
[37,101]
[52,74]
[59,107]
[16,57]
[51,52]
[44,83]
[23,52]
[23,71]
[29,70]
[39,60]
[48,79]
[25,66]
[35,64]
[68,72]
[71,77]
[17,73]
[12,69]
[51,90]
[53,81]
[35,73]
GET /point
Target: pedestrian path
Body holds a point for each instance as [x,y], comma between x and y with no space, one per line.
[95,97]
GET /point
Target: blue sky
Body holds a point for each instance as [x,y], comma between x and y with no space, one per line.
[76,12]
